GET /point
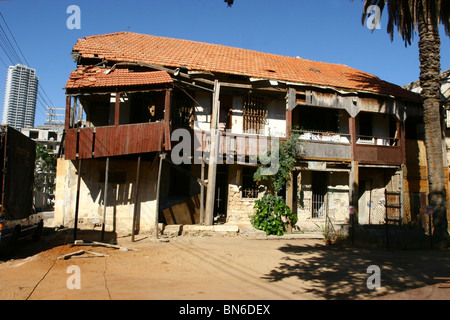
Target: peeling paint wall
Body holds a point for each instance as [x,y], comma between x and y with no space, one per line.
[120,200]
[337,200]
[239,210]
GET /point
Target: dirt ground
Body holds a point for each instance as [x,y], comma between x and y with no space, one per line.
[219,268]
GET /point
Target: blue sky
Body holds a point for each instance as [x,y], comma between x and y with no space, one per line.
[321,30]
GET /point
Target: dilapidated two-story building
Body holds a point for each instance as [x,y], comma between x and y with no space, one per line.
[133,97]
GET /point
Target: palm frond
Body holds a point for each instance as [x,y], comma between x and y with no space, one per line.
[405,15]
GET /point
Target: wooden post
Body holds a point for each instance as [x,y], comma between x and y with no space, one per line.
[117,110]
[354,172]
[202,193]
[105,197]
[158,186]
[291,103]
[290,197]
[77,203]
[288,123]
[167,101]
[68,112]
[167,130]
[212,166]
[136,192]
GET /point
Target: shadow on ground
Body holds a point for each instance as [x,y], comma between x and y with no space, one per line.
[340,271]
[51,238]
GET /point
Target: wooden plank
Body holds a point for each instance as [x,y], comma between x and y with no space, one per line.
[136,197]
[67,116]
[71,144]
[184,213]
[86,139]
[212,169]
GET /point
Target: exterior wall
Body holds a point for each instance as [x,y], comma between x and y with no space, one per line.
[276,118]
[275,123]
[239,210]
[202,110]
[120,202]
[372,198]
[337,199]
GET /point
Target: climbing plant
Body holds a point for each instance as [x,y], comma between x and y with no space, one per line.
[272,214]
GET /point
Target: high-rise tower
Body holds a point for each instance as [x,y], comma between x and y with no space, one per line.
[19,108]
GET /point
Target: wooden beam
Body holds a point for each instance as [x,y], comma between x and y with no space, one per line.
[117,110]
[162,156]
[213,155]
[352,129]
[105,198]
[288,123]
[202,193]
[167,102]
[67,116]
[167,129]
[77,203]
[136,193]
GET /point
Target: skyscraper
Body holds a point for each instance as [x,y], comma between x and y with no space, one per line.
[19,108]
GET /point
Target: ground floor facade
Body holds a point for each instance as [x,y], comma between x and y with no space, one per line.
[141,192]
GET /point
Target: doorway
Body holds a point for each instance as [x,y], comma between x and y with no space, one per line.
[221,194]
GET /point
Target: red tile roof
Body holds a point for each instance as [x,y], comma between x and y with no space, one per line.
[96,78]
[169,52]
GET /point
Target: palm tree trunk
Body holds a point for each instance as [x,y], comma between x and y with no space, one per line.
[429,53]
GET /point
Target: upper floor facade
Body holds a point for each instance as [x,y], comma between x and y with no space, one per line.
[131,91]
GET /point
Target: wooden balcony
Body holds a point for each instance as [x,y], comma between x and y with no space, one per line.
[232,144]
[99,142]
[324,146]
[378,150]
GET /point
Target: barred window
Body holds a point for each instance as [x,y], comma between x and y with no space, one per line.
[255,114]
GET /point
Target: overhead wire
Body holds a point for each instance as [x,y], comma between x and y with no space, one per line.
[13,56]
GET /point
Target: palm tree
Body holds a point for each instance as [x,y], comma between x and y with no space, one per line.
[423,17]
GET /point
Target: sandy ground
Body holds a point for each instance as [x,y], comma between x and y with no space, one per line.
[220,268]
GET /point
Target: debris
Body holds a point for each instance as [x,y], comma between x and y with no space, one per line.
[82,254]
[443,285]
[101,244]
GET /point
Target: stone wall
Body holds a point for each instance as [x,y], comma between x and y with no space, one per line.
[337,199]
[239,210]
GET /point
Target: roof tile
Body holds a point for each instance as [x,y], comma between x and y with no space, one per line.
[169,52]
[97,78]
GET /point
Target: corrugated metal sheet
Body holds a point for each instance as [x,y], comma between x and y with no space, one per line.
[115,140]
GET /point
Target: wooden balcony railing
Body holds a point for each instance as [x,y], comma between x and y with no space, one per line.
[98,142]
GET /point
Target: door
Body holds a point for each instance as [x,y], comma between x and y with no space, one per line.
[319,192]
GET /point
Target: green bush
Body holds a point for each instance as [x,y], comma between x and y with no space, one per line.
[272,214]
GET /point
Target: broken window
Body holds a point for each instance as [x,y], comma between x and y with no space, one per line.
[255,114]
[250,188]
